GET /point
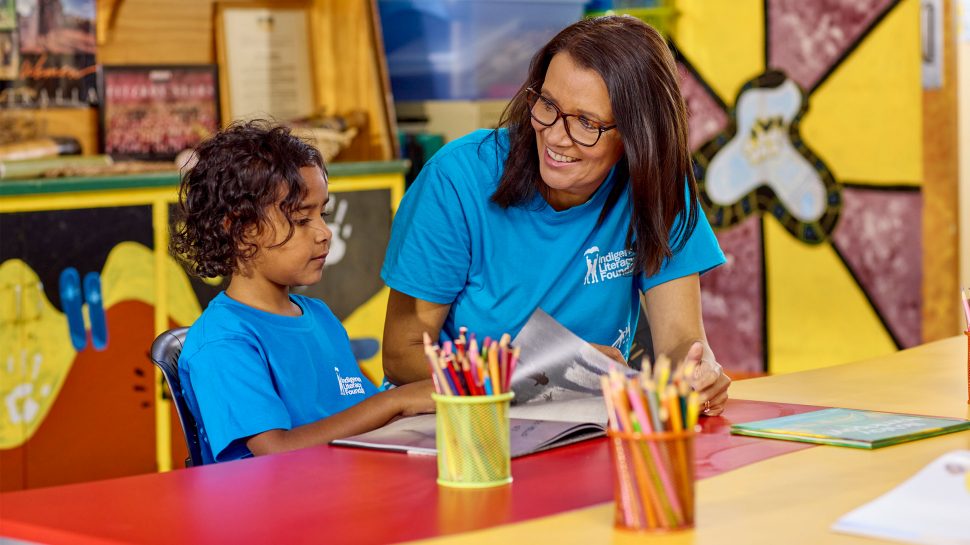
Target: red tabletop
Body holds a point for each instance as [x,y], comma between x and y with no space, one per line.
[344,495]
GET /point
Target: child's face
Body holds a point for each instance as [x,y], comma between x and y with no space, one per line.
[298,262]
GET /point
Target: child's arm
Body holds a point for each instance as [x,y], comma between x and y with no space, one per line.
[372,413]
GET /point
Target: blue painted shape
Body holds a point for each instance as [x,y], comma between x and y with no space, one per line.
[99,323]
[70,290]
[364,349]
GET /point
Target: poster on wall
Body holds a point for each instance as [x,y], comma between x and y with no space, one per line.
[264,54]
[8,40]
[8,15]
[8,55]
[47,57]
[154,112]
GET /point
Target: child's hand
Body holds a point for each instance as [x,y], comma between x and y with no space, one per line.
[414,398]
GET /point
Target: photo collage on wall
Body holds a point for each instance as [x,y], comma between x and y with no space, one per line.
[155,112]
[47,53]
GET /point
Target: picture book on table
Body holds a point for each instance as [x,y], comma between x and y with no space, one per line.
[558,400]
[851,428]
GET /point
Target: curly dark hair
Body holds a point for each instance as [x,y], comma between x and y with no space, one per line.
[239,173]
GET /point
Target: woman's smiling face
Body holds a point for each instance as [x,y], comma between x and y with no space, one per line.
[571,172]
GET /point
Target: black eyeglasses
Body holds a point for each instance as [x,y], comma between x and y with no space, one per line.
[579,128]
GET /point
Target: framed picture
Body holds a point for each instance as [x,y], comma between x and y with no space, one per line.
[47,53]
[154,112]
[265,59]
[8,15]
[9,58]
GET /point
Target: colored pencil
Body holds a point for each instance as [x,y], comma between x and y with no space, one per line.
[460,367]
[655,477]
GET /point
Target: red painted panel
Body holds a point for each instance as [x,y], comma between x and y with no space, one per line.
[102,424]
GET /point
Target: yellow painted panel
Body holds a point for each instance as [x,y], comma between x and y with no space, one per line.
[367,321]
[865,120]
[36,353]
[128,275]
[87,199]
[817,315]
[725,41]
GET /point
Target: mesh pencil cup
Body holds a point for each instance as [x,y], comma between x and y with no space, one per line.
[653,480]
[472,438]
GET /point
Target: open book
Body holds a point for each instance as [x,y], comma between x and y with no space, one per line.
[557,401]
[533,428]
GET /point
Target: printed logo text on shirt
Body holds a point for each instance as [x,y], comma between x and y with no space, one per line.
[601,267]
[349,385]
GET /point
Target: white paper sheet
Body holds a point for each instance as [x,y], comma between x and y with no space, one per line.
[931,508]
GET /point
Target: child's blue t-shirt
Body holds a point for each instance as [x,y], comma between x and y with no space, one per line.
[451,244]
[245,371]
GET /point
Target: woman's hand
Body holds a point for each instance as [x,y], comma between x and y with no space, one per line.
[610,352]
[709,380]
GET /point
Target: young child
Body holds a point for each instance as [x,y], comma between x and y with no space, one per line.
[264,370]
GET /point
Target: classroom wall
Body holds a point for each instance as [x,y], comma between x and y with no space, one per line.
[827,270]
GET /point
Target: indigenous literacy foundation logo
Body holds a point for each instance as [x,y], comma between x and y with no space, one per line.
[601,267]
[349,385]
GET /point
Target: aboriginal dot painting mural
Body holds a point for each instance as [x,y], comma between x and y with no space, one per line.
[806,132]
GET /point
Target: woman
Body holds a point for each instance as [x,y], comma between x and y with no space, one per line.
[582,201]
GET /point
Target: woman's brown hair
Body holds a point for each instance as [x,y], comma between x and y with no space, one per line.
[642,79]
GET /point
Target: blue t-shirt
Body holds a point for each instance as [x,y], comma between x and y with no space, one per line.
[451,244]
[245,371]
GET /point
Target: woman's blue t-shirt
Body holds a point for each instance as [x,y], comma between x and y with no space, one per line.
[451,244]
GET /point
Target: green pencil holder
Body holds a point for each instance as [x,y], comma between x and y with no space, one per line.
[472,438]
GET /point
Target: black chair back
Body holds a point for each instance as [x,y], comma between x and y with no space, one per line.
[165,355]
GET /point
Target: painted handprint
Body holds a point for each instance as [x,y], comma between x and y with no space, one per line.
[341,231]
[35,353]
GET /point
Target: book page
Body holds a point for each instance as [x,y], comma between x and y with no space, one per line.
[416,435]
[555,364]
[412,434]
[932,507]
[580,410]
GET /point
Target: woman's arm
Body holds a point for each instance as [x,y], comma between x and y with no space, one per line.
[367,415]
[407,320]
[676,324]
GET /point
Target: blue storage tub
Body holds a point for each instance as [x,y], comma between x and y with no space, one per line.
[467,49]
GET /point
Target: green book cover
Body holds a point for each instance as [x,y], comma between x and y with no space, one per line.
[851,428]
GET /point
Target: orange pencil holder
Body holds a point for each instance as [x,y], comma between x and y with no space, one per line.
[653,480]
[472,439]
